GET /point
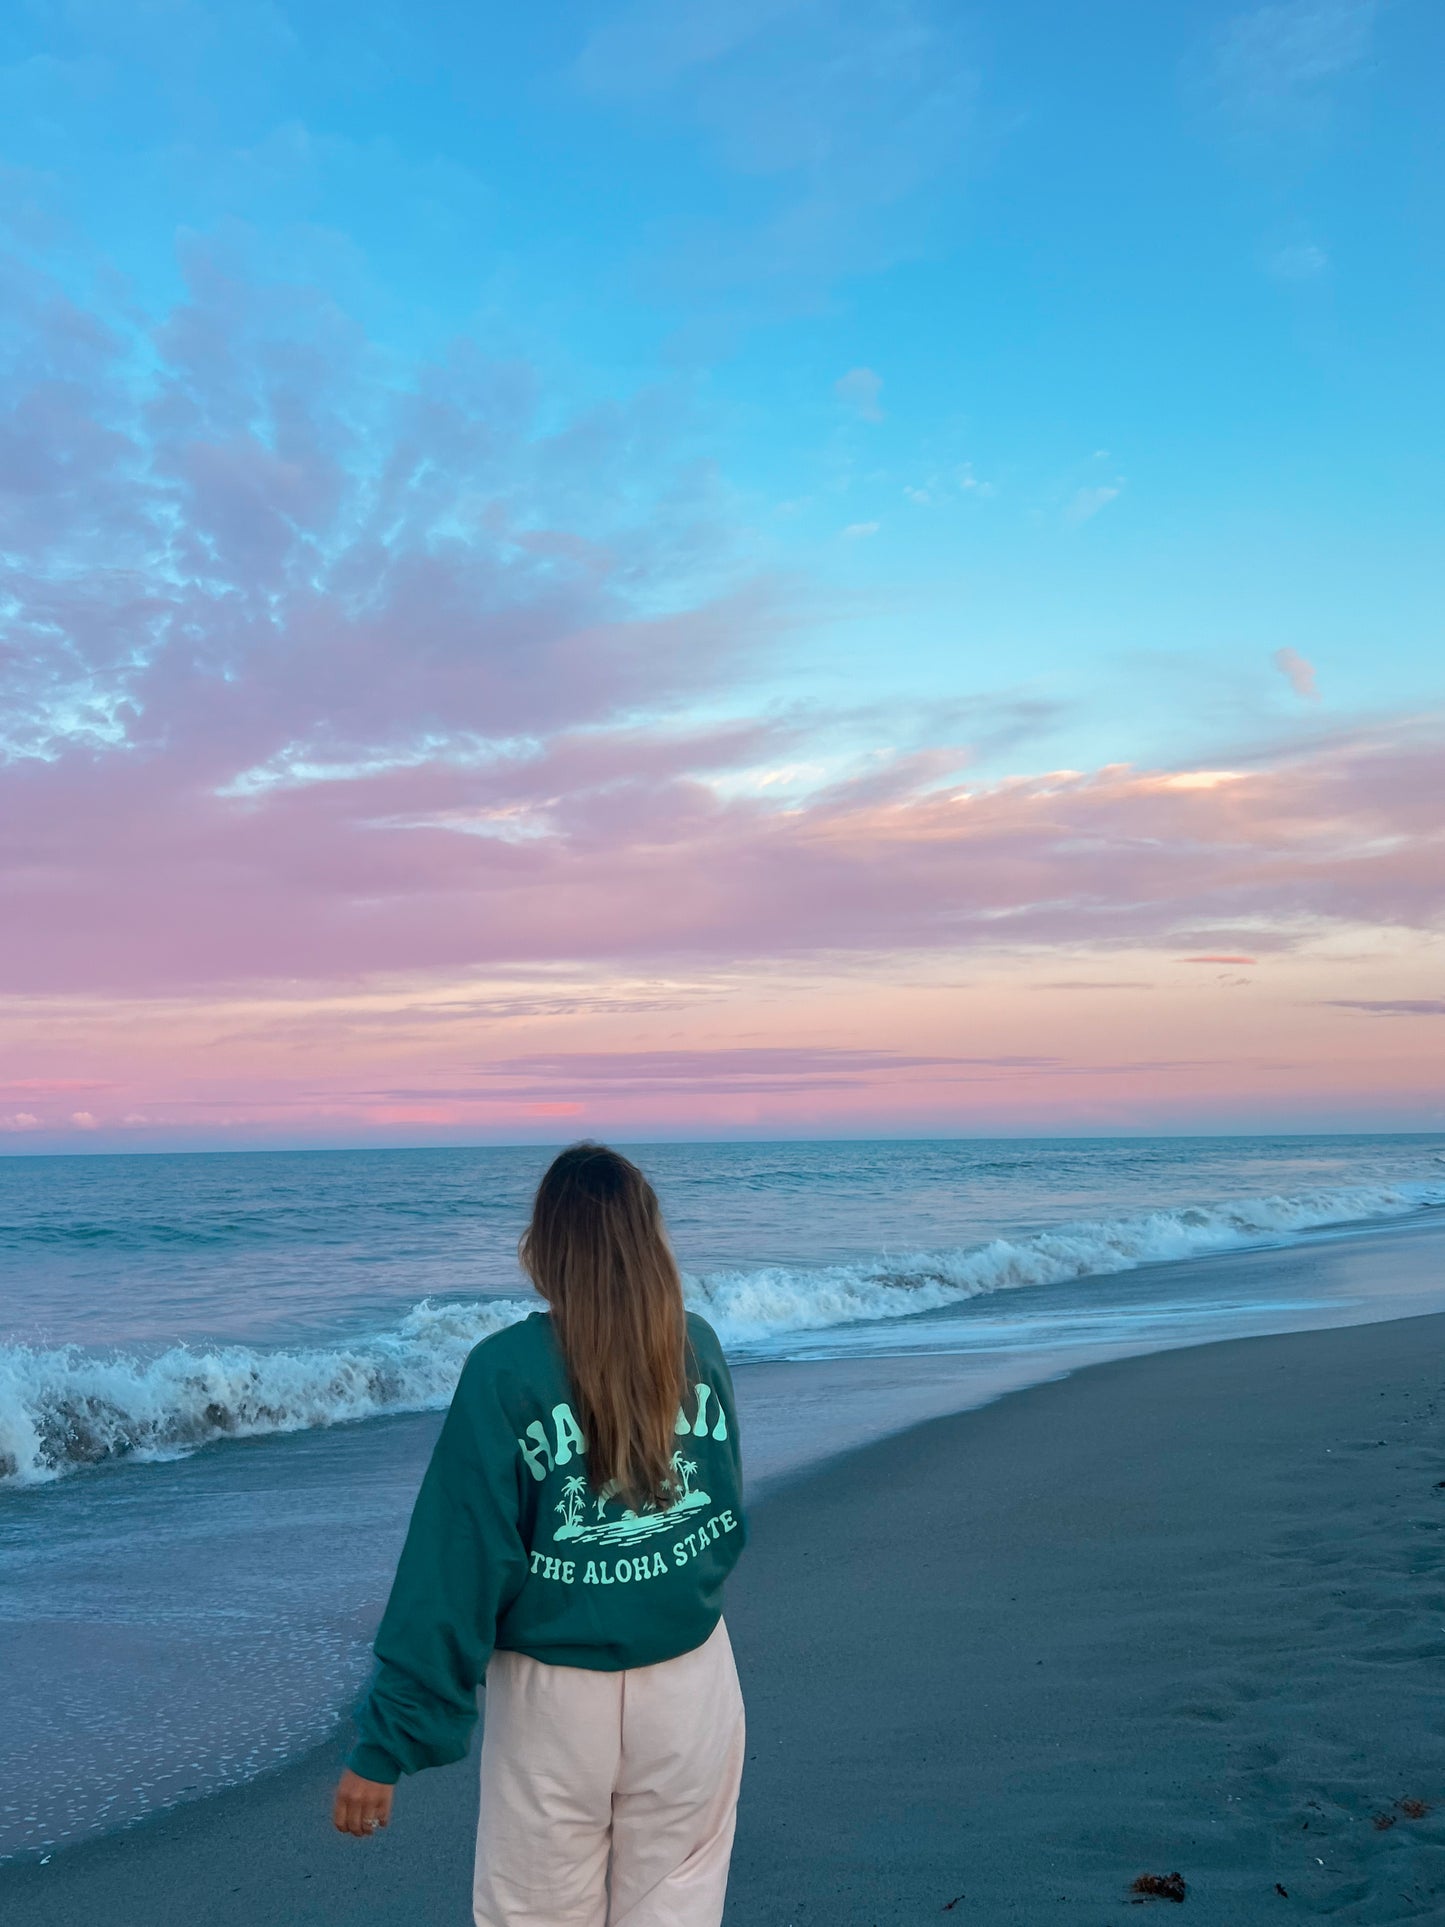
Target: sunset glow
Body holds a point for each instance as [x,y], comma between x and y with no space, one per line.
[561,603]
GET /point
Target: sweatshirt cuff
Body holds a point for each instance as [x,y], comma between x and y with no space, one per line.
[369,1762]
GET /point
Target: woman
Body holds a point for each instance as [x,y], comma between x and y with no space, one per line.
[570,1541]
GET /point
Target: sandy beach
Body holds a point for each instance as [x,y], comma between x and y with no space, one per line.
[1175,1613]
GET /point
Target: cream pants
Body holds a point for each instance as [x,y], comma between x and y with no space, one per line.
[609,1799]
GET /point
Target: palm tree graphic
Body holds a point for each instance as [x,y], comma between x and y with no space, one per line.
[570,1504]
[683,1497]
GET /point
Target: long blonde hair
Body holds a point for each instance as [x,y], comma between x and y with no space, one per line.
[597,1252]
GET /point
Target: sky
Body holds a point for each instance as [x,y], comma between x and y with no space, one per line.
[666,570]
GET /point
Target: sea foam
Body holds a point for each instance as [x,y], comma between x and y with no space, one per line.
[67,1407]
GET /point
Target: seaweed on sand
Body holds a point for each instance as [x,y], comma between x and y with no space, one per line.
[1160,1886]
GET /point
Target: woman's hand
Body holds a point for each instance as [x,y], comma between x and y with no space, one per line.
[361,1806]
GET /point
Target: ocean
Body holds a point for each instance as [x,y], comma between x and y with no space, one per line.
[218,1375]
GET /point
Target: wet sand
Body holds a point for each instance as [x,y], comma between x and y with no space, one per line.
[1182,1612]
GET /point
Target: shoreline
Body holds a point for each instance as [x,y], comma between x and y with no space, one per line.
[863,1540]
[253,1573]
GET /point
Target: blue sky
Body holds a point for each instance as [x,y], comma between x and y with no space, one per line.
[1143,287]
[449,452]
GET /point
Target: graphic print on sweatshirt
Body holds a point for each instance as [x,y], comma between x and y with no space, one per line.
[598,1518]
[576,1499]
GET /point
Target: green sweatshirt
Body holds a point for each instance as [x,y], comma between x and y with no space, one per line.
[510,1547]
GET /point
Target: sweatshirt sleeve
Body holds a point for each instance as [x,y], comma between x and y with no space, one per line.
[713,1360]
[463,1563]
[734,1442]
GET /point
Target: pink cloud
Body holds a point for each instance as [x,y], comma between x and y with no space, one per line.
[261,548]
[123,873]
[312,677]
[1097,983]
[1392,1006]
[50,1086]
[716,1071]
[1298,673]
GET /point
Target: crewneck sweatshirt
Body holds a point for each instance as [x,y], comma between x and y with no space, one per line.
[509,1546]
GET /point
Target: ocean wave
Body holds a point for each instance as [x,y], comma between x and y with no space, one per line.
[751,1308]
[66,1408]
